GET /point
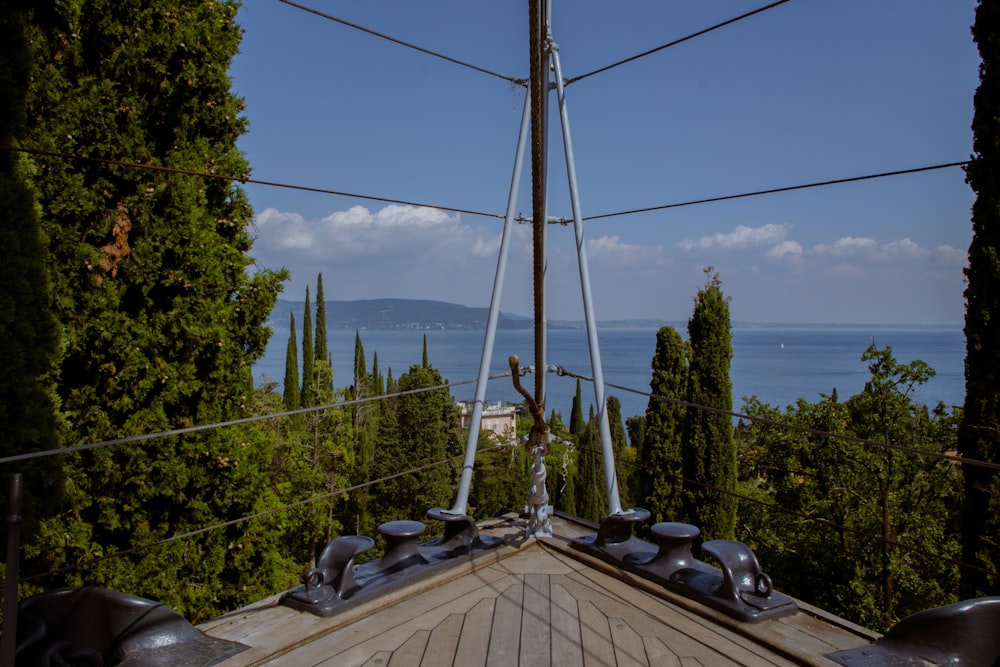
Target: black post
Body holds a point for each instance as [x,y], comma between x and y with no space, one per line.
[8,642]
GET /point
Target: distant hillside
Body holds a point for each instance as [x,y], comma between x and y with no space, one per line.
[421,314]
[400,314]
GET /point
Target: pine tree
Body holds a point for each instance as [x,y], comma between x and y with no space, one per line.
[979,434]
[308,358]
[661,440]
[291,387]
[709,452]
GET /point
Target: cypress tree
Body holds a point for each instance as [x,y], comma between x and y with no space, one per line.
[592,500]
[425,362]
[576,421]
[661,432]
[29,333]
[321,352]
[308,358]
[427,433]
[378,384]
[360,367]
[323,366]
[709,453]
[160,319]
[619,443]
[291,387]
[979,434]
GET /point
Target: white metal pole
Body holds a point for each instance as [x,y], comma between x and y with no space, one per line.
[465,483]
[611,477]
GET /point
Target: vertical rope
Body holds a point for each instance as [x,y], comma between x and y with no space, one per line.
[537,90]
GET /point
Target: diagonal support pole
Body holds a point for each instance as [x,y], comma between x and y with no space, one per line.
[611,476]
[465,483]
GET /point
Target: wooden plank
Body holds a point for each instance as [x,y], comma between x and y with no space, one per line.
[275,629]
[629,650]
[595,636]
[718,639]
[664,621]
[412,650]
[380,659]
[565,623]
[657,653]
[388,630]
[536,636]
[505,634]
[443,642]
[474,644]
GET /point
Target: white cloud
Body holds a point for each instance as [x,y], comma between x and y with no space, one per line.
[358,233]
[740,238]
[951,255]
[848,246]
[610,251]
[787,250]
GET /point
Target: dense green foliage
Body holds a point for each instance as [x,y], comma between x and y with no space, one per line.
[156,316]
[979,435]
[29,333]
[857,520]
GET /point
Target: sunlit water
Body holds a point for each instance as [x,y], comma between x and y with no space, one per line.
[776,363]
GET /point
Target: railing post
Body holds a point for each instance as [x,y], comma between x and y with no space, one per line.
[8,642]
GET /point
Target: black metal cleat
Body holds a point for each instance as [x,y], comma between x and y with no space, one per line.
[614,540]
[332,580]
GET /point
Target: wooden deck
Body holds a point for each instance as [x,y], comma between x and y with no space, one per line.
[530,603]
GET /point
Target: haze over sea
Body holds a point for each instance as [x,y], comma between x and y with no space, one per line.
[778,363]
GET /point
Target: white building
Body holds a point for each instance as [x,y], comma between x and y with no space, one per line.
[497,418]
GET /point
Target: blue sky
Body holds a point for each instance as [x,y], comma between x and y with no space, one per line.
[808,91]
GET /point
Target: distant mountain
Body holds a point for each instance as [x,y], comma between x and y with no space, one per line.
[423,314]
[400,314]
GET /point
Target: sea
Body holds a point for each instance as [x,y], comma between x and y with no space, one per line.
[777,363]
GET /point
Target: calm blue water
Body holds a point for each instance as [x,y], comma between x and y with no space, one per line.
[777,363]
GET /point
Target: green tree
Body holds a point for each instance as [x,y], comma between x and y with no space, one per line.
[161,320]
[292,398]
[661,432]
[308,358]
[576,421]
[29,332]
[321,352]
[427,427]
[709,453]
[591,489]
[979,435]
[624,459]
[853,505]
